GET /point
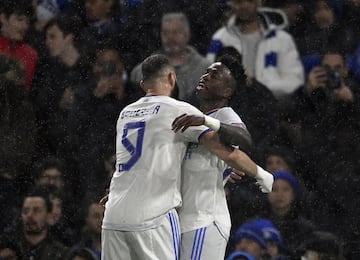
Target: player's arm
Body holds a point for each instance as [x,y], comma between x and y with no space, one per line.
[238,160]
[228,134]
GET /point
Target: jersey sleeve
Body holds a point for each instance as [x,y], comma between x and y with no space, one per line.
[194,133]
[228,116]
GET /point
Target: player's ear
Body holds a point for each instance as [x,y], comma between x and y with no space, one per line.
[171,78]
[143,87]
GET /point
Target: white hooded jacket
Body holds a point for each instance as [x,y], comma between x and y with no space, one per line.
[277,61]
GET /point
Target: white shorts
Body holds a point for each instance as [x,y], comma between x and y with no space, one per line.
[205,243]
[158,243]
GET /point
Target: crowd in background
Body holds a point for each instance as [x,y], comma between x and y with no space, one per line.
[68,67]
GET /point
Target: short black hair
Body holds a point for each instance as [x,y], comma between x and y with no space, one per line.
[236,69]
[153,65]
[42,192]
[18,7]
[68,24]
[333,50]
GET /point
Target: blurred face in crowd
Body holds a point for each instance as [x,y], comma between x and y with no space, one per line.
[105,56]
[281,196]
[250,246]
[245,10]
[324,15]
[215,83]
[175,36]
[34,215]
[15,26]
[56,42]
[95,217]
[293,11]
[272,249]
[56,212]
[8,254]
[275,163]
[98,9]
[335,62]
[312,255]
[51,176]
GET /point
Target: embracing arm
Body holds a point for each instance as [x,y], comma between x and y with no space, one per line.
[228,134]
[235,135]
[238,160]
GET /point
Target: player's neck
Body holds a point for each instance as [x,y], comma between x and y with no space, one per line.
[207,107]
[159,89]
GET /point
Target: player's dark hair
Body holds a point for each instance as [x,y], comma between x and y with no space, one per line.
[18,7]
[153,65]
[236,69]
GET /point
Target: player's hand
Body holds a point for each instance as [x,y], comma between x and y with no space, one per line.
[184,121]
[104,199]
[236,175]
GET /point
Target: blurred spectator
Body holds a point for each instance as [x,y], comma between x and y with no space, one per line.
[9,249]
[322,246]
[296,14]
[188,63]
[91,231]
[250,239]
[48,9]
[81,253]
[272,237]
[56,78]
[269,54]
[17,128]
[93,119]
[279,158]
[59,219]
[325,30]
[240,255]
[284,211]
[51,174]
[50,171]
[15,17]
[327,111]
[34,239]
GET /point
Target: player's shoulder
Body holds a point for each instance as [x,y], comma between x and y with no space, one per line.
[226,111]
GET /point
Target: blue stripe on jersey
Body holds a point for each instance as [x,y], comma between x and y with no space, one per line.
[204,132]
[175,236]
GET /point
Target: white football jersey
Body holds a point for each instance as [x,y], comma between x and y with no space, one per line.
[202,189]
[146,183]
